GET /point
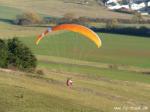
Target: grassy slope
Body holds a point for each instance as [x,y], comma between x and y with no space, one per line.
[38,95]
[82,49]
[8,30]
[116,49]
[24,93]
[8,12]
[97,72]
[59,8]
[94,89]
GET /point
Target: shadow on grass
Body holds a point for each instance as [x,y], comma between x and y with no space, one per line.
[6,20]
[12,22]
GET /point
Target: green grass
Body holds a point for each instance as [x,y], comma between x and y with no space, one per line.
[22,92]
[116,49]
[96,87]
[93,72]
[119,50]
[23,98]
[7,29]
[7,12]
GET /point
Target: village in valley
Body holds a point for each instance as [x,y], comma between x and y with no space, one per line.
[129,6]
[141,6]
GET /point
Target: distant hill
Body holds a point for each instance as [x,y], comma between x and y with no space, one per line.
[87,8]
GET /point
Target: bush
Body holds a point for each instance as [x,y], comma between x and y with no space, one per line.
[142,31]
[137,17]
[85,20]
[69,16]
[20,56]
[112,24]
[3,54]
[51,20]
[28,18]
[40,72]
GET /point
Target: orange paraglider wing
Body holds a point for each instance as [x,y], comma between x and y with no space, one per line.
[88,33]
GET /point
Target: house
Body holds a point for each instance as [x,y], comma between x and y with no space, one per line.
[135,5]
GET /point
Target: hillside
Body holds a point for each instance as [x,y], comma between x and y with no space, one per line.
[115,77]
[24,92]
[60,7]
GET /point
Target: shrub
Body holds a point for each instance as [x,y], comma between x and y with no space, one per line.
[40,72]
[69,16]
[112,24]
[3,54]
[28,18]
[142,31]
[137,17]
[51,20]
[20,56]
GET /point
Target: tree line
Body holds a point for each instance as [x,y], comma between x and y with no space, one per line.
[31,18]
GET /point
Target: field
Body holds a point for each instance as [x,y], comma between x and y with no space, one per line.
[24,92]
[96,86]
[55,8]
[115,77]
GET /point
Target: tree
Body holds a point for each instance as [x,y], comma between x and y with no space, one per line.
[3,54]
[28,18]
[20,56]
[137,17]
[112,24]
[69,16]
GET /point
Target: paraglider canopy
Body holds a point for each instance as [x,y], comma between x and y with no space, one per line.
[88,33]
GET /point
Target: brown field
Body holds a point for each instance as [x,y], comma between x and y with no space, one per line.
[59,8]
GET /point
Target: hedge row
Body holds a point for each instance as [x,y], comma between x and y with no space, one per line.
[29,18]
[142,31]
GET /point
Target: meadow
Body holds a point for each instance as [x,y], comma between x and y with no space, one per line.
[97,88]
[58,8]
[115,77]
[23,92]
[99,83]
[116,49]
